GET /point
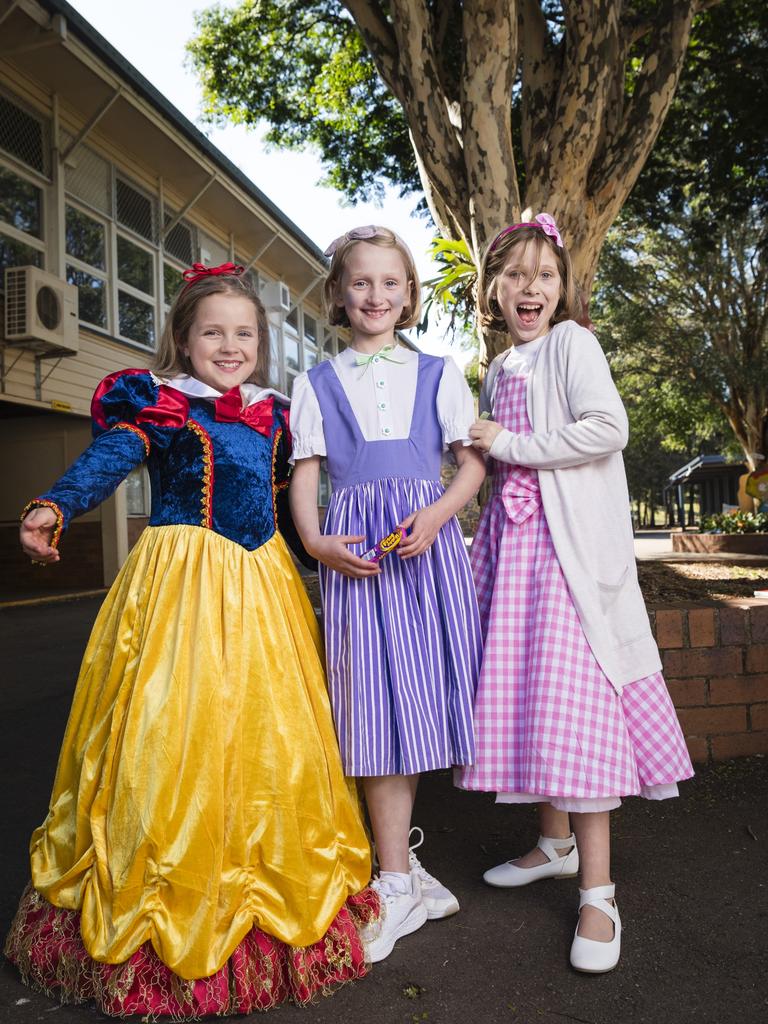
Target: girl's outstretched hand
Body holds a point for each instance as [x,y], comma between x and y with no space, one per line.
[332,550]
[424,526]
[483,433]
[35,533]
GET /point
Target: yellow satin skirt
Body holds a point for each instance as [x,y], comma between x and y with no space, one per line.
[199,791]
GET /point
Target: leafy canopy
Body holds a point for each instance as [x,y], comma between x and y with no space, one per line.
[303,68]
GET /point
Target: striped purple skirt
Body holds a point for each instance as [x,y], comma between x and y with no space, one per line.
[402,648]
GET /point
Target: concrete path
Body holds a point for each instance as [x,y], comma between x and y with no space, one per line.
[692,881]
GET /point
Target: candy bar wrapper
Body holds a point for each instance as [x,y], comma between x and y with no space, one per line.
[385,545]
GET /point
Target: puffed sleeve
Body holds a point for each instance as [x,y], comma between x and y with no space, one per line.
[306,420]
[132,414]
[455,404]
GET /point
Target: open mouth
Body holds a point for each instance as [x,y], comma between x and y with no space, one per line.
[529,313]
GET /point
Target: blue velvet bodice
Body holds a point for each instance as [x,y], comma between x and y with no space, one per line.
[223,476]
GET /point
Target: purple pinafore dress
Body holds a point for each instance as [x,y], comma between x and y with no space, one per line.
[402,648]
[548,723]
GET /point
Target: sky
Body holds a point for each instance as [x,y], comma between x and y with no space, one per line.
[152,36]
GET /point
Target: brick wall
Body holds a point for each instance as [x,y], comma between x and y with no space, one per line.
[716,665]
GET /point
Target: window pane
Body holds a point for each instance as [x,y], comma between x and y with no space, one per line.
[310,358]
[22,135]
[136,319]
[91,296]
[134,210]
[179,241]
[16,254]
[328,341]
[20,203]
[135,265]
[293,319]
[274,356]
[310,329]
[289,381]
[136,488]
[85,238]
[291,352]
[172,281]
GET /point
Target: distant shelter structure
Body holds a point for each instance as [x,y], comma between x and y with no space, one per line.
[704,485]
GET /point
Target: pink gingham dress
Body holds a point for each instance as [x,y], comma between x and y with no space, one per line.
[548,723]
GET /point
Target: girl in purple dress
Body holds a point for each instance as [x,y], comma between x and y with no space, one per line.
[572,711]
[402,635]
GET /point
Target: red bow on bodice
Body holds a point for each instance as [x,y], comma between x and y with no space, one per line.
[259,415]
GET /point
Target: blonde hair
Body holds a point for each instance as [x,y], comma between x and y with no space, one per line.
[496,257]
[170,359]
[386,239]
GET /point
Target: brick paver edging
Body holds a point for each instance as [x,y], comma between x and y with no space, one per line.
[715,660]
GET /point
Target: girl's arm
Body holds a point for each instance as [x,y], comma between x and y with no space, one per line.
[332,550]
[36,534]
[89,481]
[425,524]
[600,426]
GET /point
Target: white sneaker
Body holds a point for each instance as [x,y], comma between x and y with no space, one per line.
[439,901]
[402,912]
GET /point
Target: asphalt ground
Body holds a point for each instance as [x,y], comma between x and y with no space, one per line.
[691,874]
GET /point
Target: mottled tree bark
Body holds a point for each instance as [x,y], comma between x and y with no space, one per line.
[585,138]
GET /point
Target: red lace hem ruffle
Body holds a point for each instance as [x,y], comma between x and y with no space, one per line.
[45,944]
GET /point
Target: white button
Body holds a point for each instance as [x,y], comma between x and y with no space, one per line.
[386,430]
[375,359]
[382,406]
[380,383]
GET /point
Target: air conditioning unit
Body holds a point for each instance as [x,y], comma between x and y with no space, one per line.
[40,312]
[276,296]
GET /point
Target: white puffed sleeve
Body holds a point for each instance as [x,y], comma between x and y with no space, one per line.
[455,404]
[306,421]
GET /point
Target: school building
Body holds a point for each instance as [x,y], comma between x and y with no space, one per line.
[106,194]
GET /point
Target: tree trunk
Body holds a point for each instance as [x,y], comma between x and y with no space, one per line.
[585,138]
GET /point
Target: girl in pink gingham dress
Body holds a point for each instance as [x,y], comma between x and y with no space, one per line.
[572,711]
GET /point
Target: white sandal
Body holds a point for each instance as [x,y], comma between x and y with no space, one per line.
[590,955]
[509,875]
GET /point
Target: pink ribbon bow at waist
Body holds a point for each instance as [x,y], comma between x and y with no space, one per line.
[520,495]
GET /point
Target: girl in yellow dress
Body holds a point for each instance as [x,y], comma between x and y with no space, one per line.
[203,853]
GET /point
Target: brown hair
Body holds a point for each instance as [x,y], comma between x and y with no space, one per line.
[387,239]
[170,359]
[496,258]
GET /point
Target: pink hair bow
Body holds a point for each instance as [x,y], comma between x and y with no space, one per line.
[544,221]
[199,270]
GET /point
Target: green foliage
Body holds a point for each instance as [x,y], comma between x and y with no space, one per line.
[712,144]
[735,522]
[301,66]
[453,286]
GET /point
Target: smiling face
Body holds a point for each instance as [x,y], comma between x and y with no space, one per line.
[528,290]
[374,289]
[223,342]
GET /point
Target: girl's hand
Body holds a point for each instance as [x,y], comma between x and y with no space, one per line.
[35,533]
[424,526]
[483,433]
[333,551]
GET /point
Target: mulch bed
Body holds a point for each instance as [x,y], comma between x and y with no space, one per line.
[671,582]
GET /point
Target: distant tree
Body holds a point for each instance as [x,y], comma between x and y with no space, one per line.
[675,311]
[507,105]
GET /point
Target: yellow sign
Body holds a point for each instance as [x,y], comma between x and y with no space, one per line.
[60,406]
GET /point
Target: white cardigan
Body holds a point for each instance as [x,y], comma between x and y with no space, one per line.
[579,429]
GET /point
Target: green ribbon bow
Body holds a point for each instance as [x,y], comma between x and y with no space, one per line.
[365,361]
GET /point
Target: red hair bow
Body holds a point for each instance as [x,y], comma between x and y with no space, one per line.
[199,270]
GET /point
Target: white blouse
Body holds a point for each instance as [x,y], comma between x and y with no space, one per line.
[382,395]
